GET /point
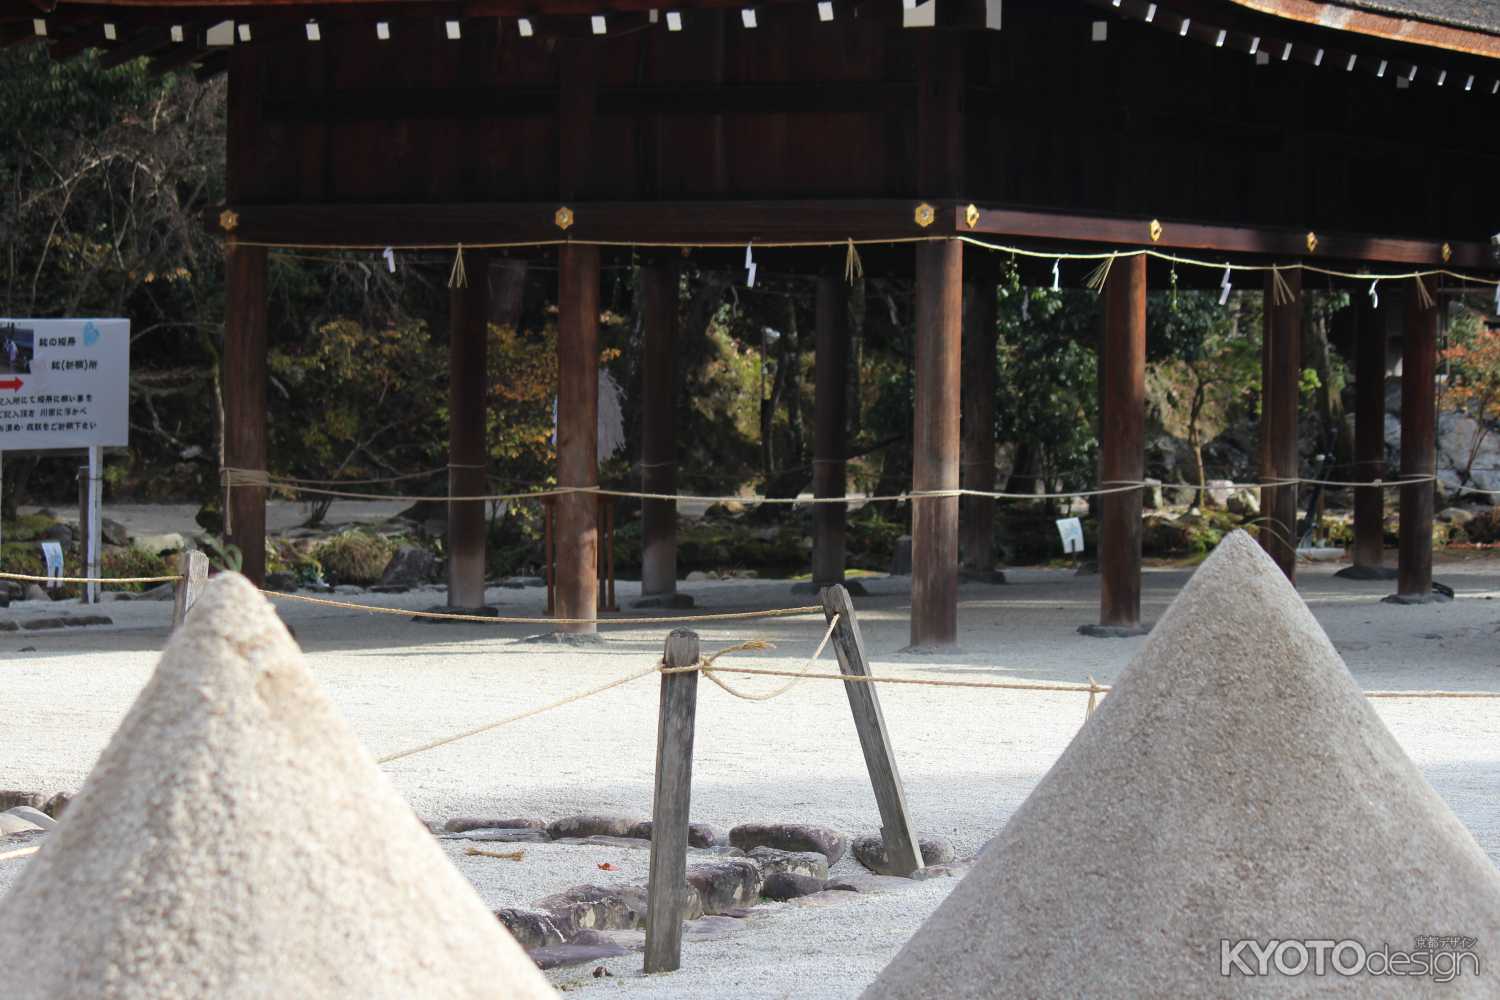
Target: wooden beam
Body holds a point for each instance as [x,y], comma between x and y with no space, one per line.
[830,427]
[1281,385]
[1418,447]
[244,380]
[935,444]
[468,384]
[1122,443]
[577,434]
[976,516]
[898,836]
[666,888]
[658,428]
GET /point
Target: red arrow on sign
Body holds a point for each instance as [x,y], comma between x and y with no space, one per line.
[13,384]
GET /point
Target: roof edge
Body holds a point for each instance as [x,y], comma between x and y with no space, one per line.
[1392,27]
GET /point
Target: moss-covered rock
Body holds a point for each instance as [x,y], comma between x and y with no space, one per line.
[356,557]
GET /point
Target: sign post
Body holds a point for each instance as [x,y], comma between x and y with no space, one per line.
[65,385]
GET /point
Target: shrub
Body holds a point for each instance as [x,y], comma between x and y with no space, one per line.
[1485,527]
[131,561]
[357,557]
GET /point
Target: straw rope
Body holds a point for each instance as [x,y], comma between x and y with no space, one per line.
[89,579]
[20,853]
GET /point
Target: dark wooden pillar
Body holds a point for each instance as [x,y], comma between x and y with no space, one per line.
[976,521]
[1122,444]
[1281,376]
[658,435]
[935,444]
[468,314]
[244,379]
[1369,437]
[830,412]
[1418,446]
[577,433]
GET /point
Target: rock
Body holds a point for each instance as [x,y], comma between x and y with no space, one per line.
[34,592]
[530,928]
[623,843]
[782,886]
[349,589]
[807,863]
[32,815]
[870,852]
[113,532]
[501,836]
[724,510]
[11,824]
[163,592]
[1219,490]
[36,624]
[901,558]
[840,885]
[585,947]
[284,583]
[696,576]
[673,600]
[11,799]
[170,541]
[409,567]
[461,823]
[57,533]
[789,837]
[699,834]
[712,927]
[726,885]
[591,825]
[79,621]
[1151,496]
[9,626]
[1244,503]
[596,907]
[1456,516]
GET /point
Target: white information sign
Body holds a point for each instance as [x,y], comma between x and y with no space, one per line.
[1071,530]
[52,555]
[64,383]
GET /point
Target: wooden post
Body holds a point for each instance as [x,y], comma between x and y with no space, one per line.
[902,848]
[976,515]
[667,886]
[1281,378]
[244,380]
[934,520]
[192,565]
[830,428]
[468,315]
[577,433]
[1369,443]
[1122,447]
[658,444]
[1418,448]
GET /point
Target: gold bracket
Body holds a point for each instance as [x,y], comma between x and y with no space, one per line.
[1155,230]
[229,220]
[563,218]
[971,216]
[1312,242]
[925,215]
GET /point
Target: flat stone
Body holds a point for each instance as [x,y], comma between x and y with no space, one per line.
[448,609]
[840,885]
[595,907]
[600,840]
[699,834]
[579,639]
[1435,597]
[530,928]
[789,837]
[409,567]
[782,886]
[9,626]
[1367,573]
[576,952]
[9,799]
[675,601]
[771,861]
[502,836]
[38,624]
[591,825]
[11,824]
[1114,631]
[712,927]
[723,886]
[79,621]
[854,587]
[34,592]
[161,592]
[459,824]
[35,816]
[870,852]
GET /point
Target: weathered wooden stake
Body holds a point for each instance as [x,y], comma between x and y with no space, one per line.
[193,567]
[902,848]
[667,887]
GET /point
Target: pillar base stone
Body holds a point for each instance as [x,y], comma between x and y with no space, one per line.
[566,639]
[672,600]
[1441,594]
[448,609]
[931,649]
[1114,631]
[1367,573]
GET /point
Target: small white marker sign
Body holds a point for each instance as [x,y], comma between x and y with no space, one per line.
[52,554]
[1071,530]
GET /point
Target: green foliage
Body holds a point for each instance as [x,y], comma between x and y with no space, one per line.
[26,559]
[357,557]
[223,556]
[127,560]
[26,528]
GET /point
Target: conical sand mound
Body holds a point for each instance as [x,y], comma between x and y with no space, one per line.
[1235,784]
[235,841]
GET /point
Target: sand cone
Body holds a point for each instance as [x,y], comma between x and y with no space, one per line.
[235,840]
[1236,784]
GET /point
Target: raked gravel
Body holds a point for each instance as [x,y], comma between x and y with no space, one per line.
[968,757]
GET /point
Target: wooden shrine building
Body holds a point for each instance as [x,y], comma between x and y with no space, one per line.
[1355,136]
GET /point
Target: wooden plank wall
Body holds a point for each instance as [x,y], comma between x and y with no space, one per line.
[1145,124]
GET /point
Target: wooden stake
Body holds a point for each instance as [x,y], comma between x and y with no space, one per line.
[902,848]
[667,887]
[193,567]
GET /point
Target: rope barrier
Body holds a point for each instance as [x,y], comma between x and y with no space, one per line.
[89,579]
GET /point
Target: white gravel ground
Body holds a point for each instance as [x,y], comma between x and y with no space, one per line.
[968,757]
